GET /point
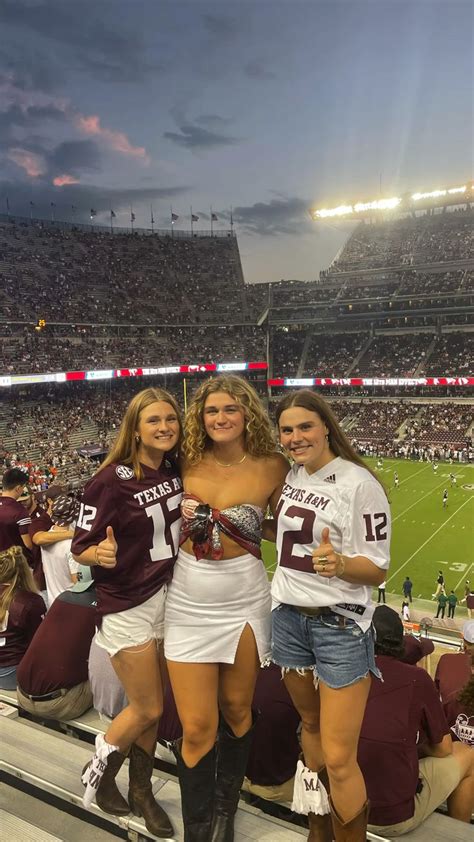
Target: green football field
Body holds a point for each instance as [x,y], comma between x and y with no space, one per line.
[425,537]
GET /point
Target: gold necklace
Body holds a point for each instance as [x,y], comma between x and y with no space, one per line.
[230,464]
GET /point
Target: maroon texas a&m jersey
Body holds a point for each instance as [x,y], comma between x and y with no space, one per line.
[145,516]
[14,522]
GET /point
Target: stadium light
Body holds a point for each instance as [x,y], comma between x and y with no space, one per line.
[383,204]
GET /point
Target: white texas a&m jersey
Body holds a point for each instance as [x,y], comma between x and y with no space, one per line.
[349,501]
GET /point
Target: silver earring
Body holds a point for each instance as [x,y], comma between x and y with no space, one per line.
[137,439]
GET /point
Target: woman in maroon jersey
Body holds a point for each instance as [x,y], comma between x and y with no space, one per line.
[128,529]
[21,612]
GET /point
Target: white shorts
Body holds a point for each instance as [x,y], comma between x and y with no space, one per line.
[209,604]
[134,626]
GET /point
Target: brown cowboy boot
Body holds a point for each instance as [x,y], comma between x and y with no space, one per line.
[354,830]
[140,794]
[320,827]
[108,796]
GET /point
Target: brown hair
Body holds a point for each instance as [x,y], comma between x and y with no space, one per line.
[338,441]
[16,574]
[125,446]
[259,437]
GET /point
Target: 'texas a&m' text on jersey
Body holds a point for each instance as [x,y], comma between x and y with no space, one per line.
[145,516]
[348,500]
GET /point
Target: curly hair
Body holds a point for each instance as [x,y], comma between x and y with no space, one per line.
[16,574]
[125,447]
[259,437]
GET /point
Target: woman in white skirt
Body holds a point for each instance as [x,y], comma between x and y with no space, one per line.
[217,622]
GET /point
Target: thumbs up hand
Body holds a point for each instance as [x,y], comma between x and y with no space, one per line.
[106,551]
[326,562]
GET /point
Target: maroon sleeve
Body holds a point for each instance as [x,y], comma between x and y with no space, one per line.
[433,721]
[22,518]
[43,523]
[98,511]
[34,614]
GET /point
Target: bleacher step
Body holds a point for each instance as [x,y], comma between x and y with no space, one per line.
[15,829]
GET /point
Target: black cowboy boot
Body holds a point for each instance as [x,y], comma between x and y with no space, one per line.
[140,794]
[197,794]
[232,757]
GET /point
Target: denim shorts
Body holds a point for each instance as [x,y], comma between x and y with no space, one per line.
[334,647]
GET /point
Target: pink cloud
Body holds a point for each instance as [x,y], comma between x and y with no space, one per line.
[61,180]
[116,140]
[33,164]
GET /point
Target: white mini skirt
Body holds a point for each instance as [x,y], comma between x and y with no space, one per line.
[208,605]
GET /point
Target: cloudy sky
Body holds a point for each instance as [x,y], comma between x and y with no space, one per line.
[268,106]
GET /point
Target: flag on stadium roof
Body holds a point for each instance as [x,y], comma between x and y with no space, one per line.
[174,216]
[132,216]
[93,213]
[194,217]
[214,217]
[112,214]
[32,204]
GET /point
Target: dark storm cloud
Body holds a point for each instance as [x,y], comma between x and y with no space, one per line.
[257,70]
[15,118]
[75,156]
[279,216]
[87,30]
[192,136]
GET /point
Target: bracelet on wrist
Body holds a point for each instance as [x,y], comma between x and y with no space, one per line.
[96,557]
[341,566]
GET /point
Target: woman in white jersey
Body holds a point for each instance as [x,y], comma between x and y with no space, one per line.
[333,539]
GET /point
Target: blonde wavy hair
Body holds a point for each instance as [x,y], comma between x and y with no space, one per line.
[125,446]
[259,436]
[16,574]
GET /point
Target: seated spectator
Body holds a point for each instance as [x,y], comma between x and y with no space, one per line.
[52,679]
[455,681]
[272,761]
[58,564]
[415,649]
[404,720]
[108,693]
[21,612]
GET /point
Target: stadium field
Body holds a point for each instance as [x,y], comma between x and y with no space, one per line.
[425,537]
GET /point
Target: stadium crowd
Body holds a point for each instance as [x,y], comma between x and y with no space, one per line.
[425,239]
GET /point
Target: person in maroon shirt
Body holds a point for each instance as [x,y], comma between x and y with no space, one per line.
[403,720]
[58,688]
[128,530]
[455,681]
[21,612]
[14,521]
[39,532]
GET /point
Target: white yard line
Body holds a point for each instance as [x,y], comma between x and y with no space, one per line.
[465,575]
[428,540]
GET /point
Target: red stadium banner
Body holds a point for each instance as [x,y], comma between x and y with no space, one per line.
[371,381]
[109,373]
